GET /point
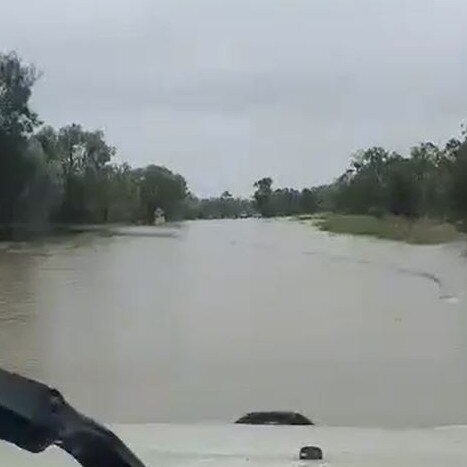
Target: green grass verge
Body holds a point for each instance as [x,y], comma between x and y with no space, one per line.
[420,231]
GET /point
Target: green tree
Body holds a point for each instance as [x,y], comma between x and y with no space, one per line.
[285,201]
[308,201]
[17,122]
[84,158]
[122,194]
[160,188]
[424,168]
[263,195]
[16,82]
[458,189]
[402,192]
[226,205]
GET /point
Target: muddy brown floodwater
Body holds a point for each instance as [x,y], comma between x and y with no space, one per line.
[223,317]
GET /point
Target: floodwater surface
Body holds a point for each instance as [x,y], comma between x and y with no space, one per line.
[223,317]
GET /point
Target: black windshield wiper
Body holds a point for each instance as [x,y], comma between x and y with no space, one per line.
[34,417]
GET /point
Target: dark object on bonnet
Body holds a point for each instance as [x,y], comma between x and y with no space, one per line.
[34,417]
[311,453]
[274,418]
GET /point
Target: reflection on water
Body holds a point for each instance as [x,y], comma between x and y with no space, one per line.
[231,316]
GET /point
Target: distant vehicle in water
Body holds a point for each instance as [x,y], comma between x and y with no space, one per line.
[274,418]
[244,215]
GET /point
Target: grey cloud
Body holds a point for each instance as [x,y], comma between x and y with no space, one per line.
[229,90]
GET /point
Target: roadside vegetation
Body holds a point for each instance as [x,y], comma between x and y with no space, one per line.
[422,231]
[51,178]
[419,198]
[68,175]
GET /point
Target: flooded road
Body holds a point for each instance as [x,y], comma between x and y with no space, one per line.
[230,316]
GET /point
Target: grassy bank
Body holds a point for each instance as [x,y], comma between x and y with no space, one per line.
[420,231]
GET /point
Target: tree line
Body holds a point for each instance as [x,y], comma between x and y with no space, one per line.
[430,181]
[225,206]
[68,174]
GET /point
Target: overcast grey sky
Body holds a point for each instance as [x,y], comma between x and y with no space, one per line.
[226,91]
